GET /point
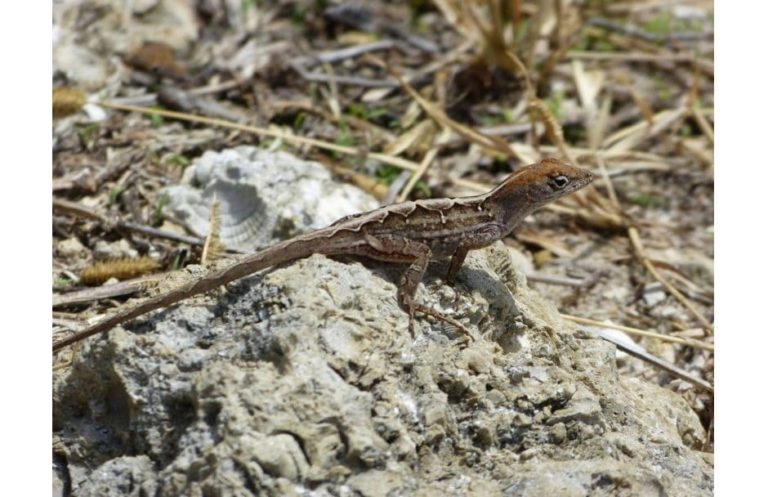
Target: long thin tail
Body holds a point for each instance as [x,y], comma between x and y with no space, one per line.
[296,248]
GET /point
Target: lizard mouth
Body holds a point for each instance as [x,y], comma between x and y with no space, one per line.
[583,181]
[578,183]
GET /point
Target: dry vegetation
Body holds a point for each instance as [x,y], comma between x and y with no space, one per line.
[414,99]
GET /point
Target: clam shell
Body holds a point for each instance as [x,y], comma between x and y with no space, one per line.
[264,196]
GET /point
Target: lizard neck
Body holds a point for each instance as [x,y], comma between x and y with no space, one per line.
[513,209]
[510,207]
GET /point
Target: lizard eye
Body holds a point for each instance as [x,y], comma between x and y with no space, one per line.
[559,182]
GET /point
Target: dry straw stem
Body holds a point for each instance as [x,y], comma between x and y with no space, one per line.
[703,124]
[121,269]
[213,248]
[428,159]
[644,333]
[624,56]
[638,352]
[67,101]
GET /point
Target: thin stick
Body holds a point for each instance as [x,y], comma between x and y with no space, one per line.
[636,331]
[307,61]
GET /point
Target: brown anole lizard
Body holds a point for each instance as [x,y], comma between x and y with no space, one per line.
[408,233]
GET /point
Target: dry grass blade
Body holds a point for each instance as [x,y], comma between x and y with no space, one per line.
[419,136]
[644,333]
[703,124]
[635,134]
[213,248]
[429,157]
[589,85]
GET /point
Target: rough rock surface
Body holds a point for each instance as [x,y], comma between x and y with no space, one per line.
[303,380]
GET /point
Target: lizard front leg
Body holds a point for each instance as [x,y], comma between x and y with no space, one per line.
[480,238]
[456,261]
[417,255]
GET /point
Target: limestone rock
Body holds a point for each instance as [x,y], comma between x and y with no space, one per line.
[304,380]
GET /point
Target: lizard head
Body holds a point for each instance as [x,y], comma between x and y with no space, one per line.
[533,186]
[543,182]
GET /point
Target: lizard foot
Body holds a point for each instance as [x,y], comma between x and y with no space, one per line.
[428,311]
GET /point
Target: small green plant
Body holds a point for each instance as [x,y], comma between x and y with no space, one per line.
[387,174]
[155,119]
[344,138]
[114,195]
[361,111]
[298,15]
[157,214]
[299,120]
[422,187]
[246,5]
[554,102]
[177,261]
[62,282]
[177,160]
[358,110]
[660,24]
[87,132]
[647,200]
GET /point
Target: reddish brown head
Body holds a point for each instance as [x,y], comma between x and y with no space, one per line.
[535,185]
